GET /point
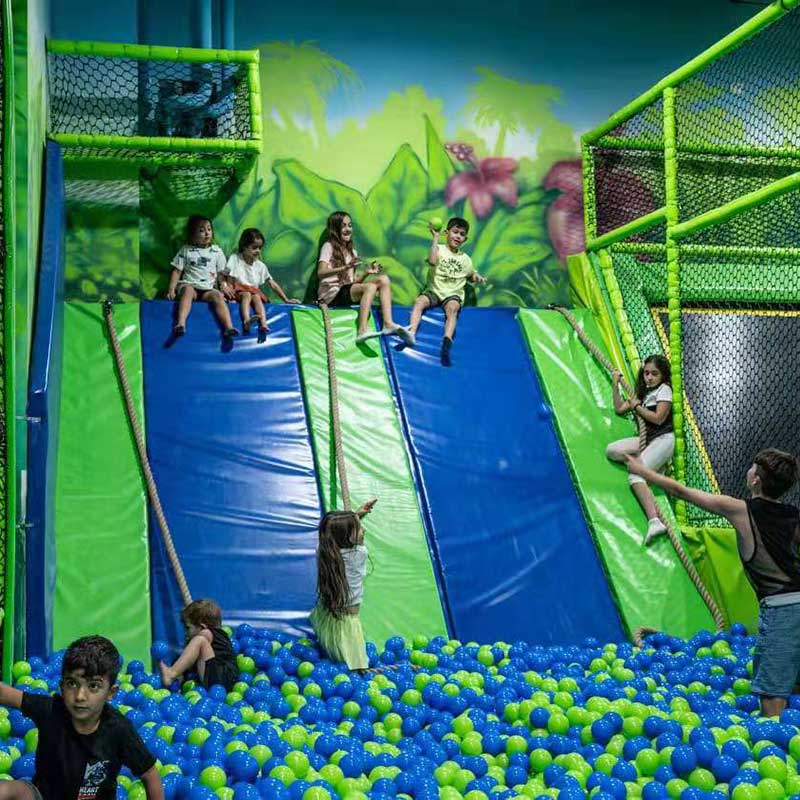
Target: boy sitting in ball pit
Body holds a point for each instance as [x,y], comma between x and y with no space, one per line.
[768,539]
[83,741]
[450,270]
[208,648]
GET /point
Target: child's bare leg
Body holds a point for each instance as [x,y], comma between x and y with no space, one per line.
[772,706]
[385,293]
[421,305]
[646,499]
[258,306]
[451,310]
[244,308]
[16,790]
[220,308]
[196,652]
[365,294]
[188,294]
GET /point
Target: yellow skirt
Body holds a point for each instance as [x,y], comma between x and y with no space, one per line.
[342,638]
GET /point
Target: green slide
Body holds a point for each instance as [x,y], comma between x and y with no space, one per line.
[400,592]
[102,561]
[651,586]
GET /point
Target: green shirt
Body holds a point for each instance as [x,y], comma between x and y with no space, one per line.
[448,277]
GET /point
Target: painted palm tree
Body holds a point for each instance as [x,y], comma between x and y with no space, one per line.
[511,105]
[296,78]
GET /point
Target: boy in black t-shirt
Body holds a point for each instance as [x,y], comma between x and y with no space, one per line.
[208,648]
[83,741]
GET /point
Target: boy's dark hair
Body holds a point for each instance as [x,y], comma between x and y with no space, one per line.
[193,223]
[458,222]
[777,470]
[95,655]
[202,612]
[250,236]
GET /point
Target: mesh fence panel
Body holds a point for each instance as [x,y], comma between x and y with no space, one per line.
[3,288]
[737,127]
[130,97]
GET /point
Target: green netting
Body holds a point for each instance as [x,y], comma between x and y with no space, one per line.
[716,287]
[120,96]
[400,593]
[100,503]
[3,228]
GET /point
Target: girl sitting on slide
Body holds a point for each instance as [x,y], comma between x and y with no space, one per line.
[652,401]
[339,286]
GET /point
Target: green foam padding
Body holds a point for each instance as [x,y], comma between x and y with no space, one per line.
[400,594]
[650,585]
[102,567]
[716,555]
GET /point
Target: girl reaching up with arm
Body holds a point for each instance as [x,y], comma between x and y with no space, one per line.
[341,569]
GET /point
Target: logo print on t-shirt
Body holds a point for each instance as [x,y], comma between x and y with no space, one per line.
[93,777]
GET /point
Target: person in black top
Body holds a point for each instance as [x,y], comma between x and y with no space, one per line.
[768,538]
[208,648]
[83,741]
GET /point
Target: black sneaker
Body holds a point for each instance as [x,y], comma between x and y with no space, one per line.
[230,333]
[178,330]
[447,343]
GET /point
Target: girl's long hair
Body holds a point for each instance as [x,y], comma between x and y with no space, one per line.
[337,529]
[662,365]
[341,249]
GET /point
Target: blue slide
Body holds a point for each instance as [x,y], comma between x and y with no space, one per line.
[229,446]
[514,551]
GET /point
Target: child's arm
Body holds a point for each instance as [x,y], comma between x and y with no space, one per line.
[367,507]
[9,696]
[433,254]
[476,278]
[620,406]
[733,509]
[325,270]
[663,410]
[276,287]
[173,282]
[151,781]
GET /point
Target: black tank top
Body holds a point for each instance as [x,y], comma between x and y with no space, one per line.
[223,649]
[774,567]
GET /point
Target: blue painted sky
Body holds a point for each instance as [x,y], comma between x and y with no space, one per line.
[601,54]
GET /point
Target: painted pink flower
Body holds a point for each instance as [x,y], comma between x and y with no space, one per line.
[489,178]
[565,215]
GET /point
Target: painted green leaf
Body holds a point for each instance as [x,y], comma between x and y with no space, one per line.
[440,167]
[305,200]
[400,192]
[261,214]
[291,258]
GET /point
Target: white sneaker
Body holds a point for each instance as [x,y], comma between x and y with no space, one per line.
[405,334]
[655,528]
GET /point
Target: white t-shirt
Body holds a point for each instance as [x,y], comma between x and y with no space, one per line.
[355,568]
[662,393]
[329,287]
[255,274]
[199,266]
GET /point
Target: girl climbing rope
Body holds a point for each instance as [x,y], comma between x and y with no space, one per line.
[652,402]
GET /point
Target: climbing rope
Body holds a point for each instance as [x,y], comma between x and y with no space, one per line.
[133,418]
[688,565]
[336,428]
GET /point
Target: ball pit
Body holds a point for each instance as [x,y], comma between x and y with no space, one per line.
[447,720]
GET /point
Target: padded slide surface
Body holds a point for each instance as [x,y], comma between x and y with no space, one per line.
[230,451]
[517,557]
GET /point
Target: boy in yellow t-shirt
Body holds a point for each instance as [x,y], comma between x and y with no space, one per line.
[450,270]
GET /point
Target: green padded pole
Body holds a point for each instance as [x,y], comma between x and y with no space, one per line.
[652,248]
[173,144]
[744,203]
[629,229]
[701,149]
[616,302]
[673,292]
[730,42]
[589,204]
[254,97]
[143,52]
[9,405]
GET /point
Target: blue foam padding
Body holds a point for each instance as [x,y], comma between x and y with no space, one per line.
[231,454]
[44,395]
[515,554]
